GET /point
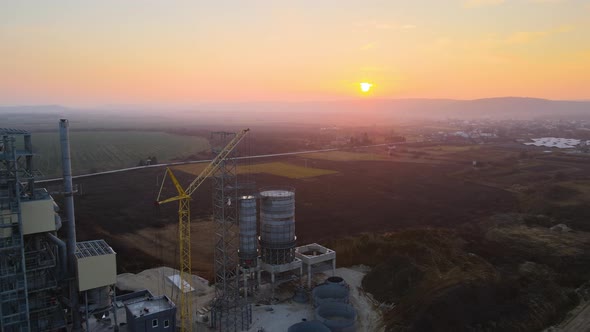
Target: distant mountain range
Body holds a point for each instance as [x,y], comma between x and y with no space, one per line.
[386,109]
[359,111]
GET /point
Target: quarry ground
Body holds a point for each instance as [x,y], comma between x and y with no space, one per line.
[268,317]
[484,232]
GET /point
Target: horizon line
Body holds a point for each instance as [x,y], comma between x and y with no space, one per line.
[156,105]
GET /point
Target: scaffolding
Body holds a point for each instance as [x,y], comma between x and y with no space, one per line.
[42,282]
[230,311]
[29,287]
[14,313]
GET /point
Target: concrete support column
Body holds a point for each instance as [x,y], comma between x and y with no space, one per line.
[300,275]
[114,305]
[245,284]
[259,272]
[333,267]
[309,276]
[272,283]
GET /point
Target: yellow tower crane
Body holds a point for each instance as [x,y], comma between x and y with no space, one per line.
[184,229]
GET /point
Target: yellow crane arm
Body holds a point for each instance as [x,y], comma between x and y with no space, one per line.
[181,193]
[208,171]
[184,229]
[214,165]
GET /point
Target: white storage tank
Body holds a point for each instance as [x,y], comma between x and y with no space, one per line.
[277,226]
[248,248]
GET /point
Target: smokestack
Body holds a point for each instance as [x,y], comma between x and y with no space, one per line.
[66,163]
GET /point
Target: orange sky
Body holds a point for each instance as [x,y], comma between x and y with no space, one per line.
[184,52]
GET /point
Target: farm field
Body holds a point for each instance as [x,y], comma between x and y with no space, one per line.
[463,231]
[283,169]
[446,149]
[286,170]
[341,198]
[363,196]
[344,156]
[94,151]
[422,155]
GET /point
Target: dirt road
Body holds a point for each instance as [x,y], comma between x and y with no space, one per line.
[580,323]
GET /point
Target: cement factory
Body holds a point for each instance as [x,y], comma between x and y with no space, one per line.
[48,283]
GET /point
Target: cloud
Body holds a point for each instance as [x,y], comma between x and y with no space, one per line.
[524,37]
[443,41]
[384,25]
[374,69]
[492,48]
[440,43]
[368,46]
[482,3]
[495,41]
[546,1]
[564,28]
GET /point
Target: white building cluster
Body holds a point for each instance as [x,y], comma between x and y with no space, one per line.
[560,143]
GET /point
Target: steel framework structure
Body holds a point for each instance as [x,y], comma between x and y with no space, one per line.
[230,312]
[14,304]
[29,289]
[184,198]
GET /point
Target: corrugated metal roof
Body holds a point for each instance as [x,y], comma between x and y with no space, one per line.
[93,248]
[12,131]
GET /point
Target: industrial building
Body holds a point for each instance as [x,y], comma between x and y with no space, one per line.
[30,267]
[145,312]
[46,283]
[51,282]
[556,142]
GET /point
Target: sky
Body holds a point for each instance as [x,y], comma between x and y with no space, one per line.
[147,52]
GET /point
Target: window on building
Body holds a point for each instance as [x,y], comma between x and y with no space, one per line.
[154,323]
[166,324]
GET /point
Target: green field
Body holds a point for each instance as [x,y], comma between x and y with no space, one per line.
[344,156]
[447,149]
[94,151]
[275,168]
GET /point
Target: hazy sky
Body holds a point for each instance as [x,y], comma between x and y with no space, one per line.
[95,52]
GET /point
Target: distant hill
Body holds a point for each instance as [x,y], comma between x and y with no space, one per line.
[371,111]
[514,107]
[34,109]
[38,118]
[358,111]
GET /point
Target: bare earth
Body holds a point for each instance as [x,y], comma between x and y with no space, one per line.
[270,317]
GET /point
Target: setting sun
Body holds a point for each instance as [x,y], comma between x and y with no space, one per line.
[365,87]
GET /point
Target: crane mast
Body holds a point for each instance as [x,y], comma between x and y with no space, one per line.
[184,219]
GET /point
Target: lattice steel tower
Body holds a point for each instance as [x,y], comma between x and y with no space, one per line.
[230,312]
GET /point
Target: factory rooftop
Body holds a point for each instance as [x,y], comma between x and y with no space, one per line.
[150,306]
[93,248]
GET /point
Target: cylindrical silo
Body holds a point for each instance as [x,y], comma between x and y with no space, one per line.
[277,226]
[248,249]
[338,317]
[330,293]
[309,326]
[336,280]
